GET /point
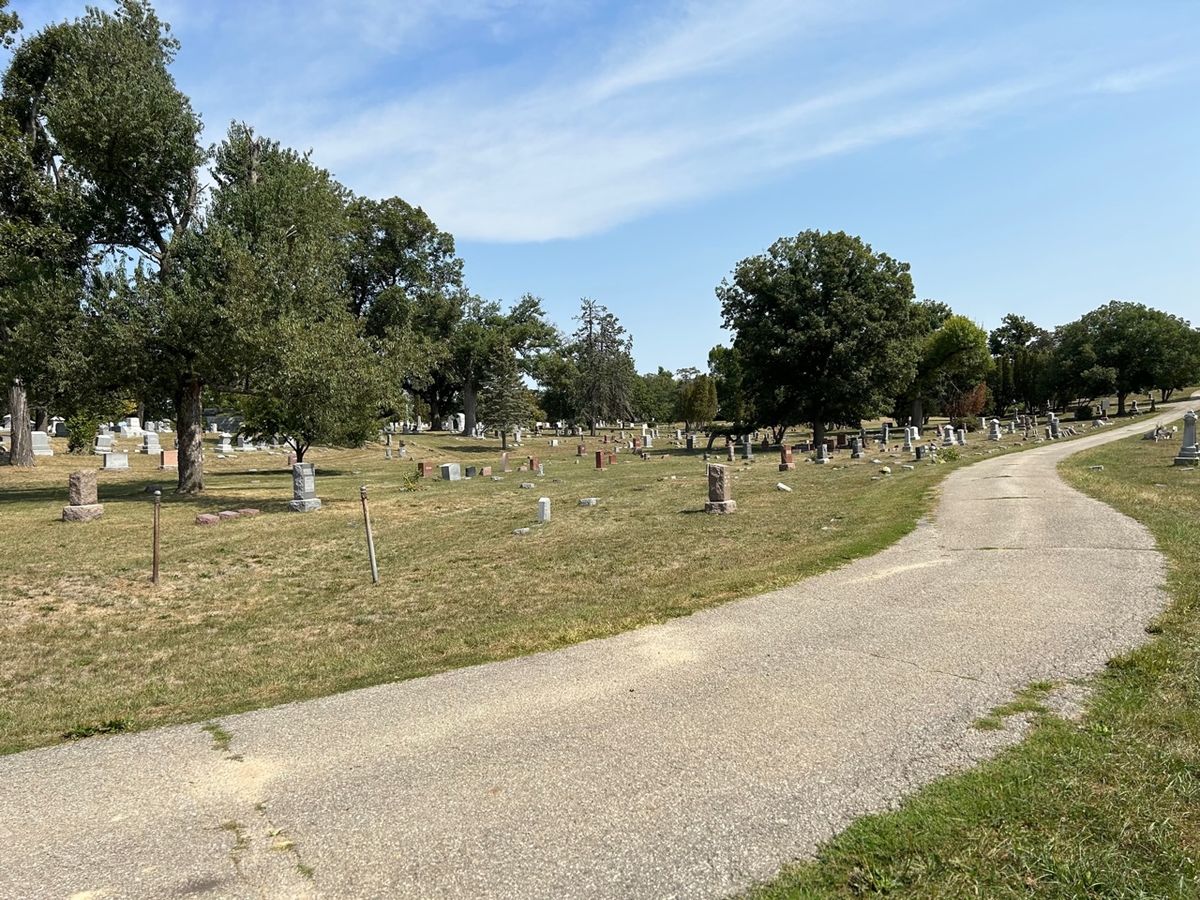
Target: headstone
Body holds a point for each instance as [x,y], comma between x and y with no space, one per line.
[471,471]
[581,450]
[59,427]
[962,437]
[822,457]
[244,445]
[304,488]
[460,422]
[425,469]
[223,445]
[920,452]
[150,443]
[787,461]
[543,513]
[748,449]
[1189,453]
[908,440]
[691,443]
[650,441]
[720,490]
[41,444]
[451,472]
[534,462]
[994,430]
[82,499]
[856,449]
[103,443]
[116,461]
[599,459]
[168,459]
[840,441]
[730,448]
[504,466]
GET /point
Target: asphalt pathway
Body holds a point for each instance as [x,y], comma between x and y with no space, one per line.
[687,759]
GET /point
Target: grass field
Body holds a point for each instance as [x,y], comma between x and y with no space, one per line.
[280,607]
[1108,806]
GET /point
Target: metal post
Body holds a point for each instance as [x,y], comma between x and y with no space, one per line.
[362,493]
[157,508]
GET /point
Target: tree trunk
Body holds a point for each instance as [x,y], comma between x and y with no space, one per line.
[818,433]
[141,413]
[20,443]
[190,414]
[41,418]
[918,415]
[1120,404]
[503,438]
[468,407]
[301,449]
[592,426]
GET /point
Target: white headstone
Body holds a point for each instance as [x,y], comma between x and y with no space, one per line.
[543,513]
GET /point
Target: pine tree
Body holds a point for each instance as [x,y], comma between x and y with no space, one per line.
[504,399]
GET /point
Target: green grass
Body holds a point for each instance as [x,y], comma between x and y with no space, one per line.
[280,607]
[1105,807]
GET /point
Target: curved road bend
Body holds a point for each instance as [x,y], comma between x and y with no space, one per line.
[680,760]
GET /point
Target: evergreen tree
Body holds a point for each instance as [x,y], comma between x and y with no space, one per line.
[504,399]
[603,355]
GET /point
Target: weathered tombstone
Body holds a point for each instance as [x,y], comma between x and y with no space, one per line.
[504,466]
[103,443]
[947,435]
[534,462]
[83,502]
[720,490]
[451,472]
[304,488]
[1189,453]
[650,441]
[150,443]
[41,444]
[471,471]
[244,445]
[599,459]
[691,443]
[822,457]
[543,513]
[168,459]
[730,448]
[787,461]
[581,450]
[920,452]
[425,469]
[994,430]
[223,445]
[116,461]
[908,440]
[856,448]
[962,437]
[60,427]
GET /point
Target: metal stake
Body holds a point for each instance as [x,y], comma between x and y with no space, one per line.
[157,508]
[362,493]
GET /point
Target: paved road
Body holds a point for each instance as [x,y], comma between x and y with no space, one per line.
[682,760]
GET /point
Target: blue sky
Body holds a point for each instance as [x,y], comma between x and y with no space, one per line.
[1038,158]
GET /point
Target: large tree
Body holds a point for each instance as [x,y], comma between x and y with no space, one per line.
[1114,347]
[100,109]
[1023,353]
[605,373]
[823,330]
[696,399]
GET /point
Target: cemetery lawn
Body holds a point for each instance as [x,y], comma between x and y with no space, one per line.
[265,610]
[1105,807]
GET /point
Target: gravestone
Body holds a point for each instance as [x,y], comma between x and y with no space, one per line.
[748,449]
[41,443]
[304,488]
[599,459]
[168,459]
[83,502]
[908,440]
[822,457]
[650,442]
[856,448]
[534,462]
[581,450]
[150,443]
[962,437]
[60,428]
[543,512]
[720,490]
[103,443]
[243,444]
[994,430]
[223,445]
[920,452]
[116,460]
[451,472]
[504,466]
[471,471]
[691,443]
[787,461]
[425,469]
[1189,453]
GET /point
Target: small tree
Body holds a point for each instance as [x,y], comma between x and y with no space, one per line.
[697,399]
[603,355]
[504,399]
[326,388]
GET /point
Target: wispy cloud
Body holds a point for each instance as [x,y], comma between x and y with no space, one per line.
[532,121]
